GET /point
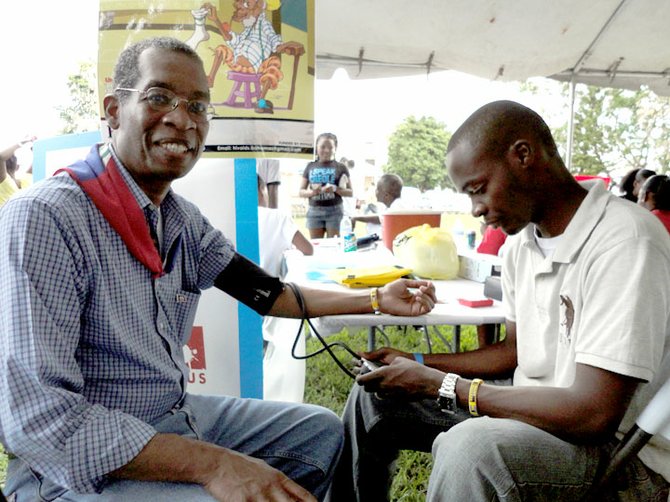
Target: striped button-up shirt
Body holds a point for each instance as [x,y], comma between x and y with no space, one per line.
[91,345]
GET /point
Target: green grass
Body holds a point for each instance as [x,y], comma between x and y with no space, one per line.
[328,386]
[3,466]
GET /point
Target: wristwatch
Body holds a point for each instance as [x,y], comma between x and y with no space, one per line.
[446,398]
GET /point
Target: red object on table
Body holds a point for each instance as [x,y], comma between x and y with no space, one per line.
[483,302]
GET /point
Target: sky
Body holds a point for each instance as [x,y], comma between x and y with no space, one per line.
[364,111]
[44,43]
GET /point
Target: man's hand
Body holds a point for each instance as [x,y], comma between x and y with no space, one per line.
[385,355]
[228,475]
[398,299]
[246,479]
[402,378]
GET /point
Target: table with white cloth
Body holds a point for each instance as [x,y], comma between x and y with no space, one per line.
[313,271]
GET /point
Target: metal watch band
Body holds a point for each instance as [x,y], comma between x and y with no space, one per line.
[447,394]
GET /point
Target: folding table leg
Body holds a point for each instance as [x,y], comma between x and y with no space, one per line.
[437,333]
[426,334]
[457,338]
[372,330]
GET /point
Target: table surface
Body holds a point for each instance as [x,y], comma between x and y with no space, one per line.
[304,269]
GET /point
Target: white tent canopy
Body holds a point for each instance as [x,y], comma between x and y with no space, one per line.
[614,43]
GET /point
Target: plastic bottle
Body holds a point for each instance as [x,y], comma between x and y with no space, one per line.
[347,234]
[458,233]
[472,236]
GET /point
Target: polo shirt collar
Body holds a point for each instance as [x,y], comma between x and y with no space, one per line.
[579,229]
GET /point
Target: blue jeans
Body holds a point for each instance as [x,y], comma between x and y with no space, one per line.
[303,441]
[375,432]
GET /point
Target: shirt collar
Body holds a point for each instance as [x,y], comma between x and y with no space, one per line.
[172,214]
[581,225]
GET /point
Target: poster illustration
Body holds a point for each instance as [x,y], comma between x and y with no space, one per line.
[259,60]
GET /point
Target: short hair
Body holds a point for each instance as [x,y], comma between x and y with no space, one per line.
[127,71]
[659,185]
[495,126]
[392,183]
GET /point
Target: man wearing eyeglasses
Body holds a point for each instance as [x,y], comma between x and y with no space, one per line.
[101,268]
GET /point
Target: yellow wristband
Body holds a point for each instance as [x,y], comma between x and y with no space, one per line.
[374,302]
[472,396]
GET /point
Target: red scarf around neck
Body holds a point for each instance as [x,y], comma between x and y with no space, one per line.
[101,180]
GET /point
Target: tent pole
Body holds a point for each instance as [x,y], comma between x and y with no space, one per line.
[571,125]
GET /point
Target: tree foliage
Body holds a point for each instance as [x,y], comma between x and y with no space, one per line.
[416,153]
[615,130]
[82,114]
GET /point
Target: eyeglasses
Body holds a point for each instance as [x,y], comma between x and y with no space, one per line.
[164,101]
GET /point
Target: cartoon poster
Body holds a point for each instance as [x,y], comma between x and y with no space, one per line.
[259,59]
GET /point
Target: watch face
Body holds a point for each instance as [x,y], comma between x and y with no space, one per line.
[447,404]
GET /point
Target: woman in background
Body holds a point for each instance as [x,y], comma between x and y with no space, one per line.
[655,196]
[641,176]
[627,185]
[324,182]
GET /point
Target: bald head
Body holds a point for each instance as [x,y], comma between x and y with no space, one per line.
[494,127]
[392,183]
[389,188]
[505,158]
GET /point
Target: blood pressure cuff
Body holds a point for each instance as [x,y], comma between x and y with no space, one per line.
[250,284]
